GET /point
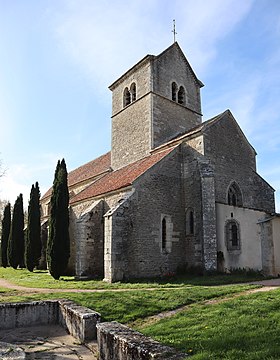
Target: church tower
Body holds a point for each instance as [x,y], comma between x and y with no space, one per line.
[152,103]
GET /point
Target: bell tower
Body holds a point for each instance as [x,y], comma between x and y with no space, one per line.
[152,103]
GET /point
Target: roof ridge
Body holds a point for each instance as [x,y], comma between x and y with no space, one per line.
[120,178]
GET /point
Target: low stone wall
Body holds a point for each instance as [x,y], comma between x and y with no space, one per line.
[78,320]
[115,341]
[33,313]
[119,342]
[11,352]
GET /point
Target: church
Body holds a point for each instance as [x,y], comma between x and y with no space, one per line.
[174,193]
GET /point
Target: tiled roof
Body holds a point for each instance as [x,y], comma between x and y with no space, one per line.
[87,171]
[121,178]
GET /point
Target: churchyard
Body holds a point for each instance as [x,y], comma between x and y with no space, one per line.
[212,317]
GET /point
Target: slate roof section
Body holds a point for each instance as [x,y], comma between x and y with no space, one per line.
[87,171]
[120,178]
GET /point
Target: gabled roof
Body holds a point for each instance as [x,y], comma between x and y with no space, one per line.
[88,171]
[176,45]
[199,129]
[120,178]
[151,58]
[228,114]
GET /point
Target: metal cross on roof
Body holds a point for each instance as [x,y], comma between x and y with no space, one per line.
[174,30]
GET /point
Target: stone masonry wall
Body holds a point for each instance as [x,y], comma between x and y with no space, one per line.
[131,133]
[79,321]
[266,235]
[141,76]
[118,342]
[208,215]
[131,125]
[116,236]
[90,246]
[171,66]
[136,224]
[170,119]
[192,200]
[234,160]
[87,231]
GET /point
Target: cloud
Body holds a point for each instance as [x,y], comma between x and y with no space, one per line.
[104,38]
[91,33]
[206,23]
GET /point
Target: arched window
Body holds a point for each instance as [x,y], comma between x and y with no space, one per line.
[133,91]
[174,89]
[126,97]
[181,95]
[163,234]
[234,196]
[232,233]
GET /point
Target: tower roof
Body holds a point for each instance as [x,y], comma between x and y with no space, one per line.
[150,58]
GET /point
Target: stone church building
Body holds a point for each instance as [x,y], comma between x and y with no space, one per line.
[174,192]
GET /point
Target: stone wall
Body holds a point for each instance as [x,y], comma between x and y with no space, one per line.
[116,235]
[134,227]
[275,223]
[171,66]
[234,160]
[131,133]
[78,320]
[89,232]
[140,74]
[192,200]
[170,119]
[250,253]
[118,342]
[208,220]
[153,118]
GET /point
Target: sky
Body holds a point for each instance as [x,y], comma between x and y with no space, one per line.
[58,57]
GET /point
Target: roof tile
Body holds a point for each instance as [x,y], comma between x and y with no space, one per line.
[121,178]
[87,171]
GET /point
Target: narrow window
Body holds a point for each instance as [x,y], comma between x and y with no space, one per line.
[232,233]
[174,91]
[163,234]
[133,91]
[126,97]
[190,224]
[234,196]
[191,220]
[181,95]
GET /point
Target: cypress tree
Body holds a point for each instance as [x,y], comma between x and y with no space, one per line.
[6,225]
[33,232]
[58,248]
[16,237]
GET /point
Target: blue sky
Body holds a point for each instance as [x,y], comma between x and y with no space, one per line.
[58,57]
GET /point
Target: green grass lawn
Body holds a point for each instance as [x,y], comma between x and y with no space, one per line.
[243,328]
[133,305]
[42,279]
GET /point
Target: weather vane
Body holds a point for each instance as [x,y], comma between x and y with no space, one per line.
[174,30]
